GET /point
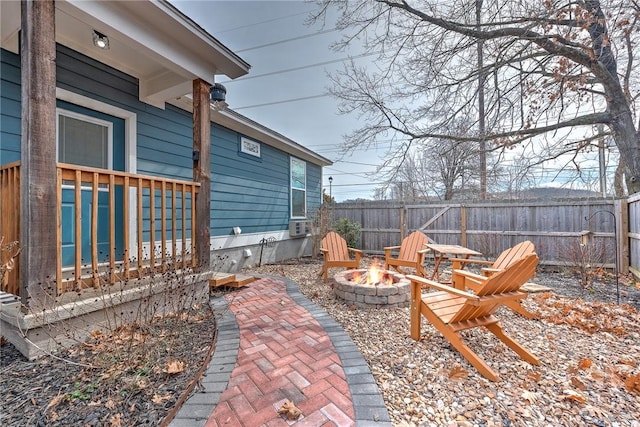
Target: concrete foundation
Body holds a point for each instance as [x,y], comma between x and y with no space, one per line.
[234,259]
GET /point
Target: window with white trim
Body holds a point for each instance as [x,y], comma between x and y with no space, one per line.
[84,140]
[298,188]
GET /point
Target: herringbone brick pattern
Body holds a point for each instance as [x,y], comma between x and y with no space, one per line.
[284,355]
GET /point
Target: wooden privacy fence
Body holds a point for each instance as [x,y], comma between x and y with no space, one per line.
[109,225]
[634,234]
[556,227]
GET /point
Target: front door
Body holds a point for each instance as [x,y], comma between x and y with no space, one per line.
[90,138]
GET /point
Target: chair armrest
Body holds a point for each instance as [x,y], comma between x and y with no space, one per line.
[471,261]
[442,287]
[323,250]
[489,271]
[467,280]
[355,251]
[387,253]
[424,251]
[473,276]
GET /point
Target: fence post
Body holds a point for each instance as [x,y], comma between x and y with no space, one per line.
[463,226]
[621,210]
[403,223]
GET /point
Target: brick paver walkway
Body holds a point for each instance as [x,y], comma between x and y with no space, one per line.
[275,346]
[284,355]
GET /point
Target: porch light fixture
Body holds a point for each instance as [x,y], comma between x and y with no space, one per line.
[100,40]
[219,96]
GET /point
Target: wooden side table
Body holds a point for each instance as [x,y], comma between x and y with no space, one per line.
[443,252]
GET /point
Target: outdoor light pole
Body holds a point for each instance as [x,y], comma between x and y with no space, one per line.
[615,238]
[330,193]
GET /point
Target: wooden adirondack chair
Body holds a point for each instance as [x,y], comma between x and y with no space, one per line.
[336,254]
[411,254]
[451,310]
[506,258]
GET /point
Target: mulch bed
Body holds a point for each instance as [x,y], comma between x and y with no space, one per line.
[134,376]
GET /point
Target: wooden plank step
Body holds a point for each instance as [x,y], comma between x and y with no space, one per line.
[534,288]
[221,279]
[242,280]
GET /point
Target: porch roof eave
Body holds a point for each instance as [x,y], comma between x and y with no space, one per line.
[150,40]
[236,121]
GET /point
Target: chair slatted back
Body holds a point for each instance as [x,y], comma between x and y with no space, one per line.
[411,245]
[511,255]
[336,247]
[506,281]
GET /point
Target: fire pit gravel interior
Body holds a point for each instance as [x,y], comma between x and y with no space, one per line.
[394,291]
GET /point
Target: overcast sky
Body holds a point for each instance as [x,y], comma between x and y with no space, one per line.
[286,88]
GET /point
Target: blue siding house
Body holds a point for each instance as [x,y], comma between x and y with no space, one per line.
[113,149]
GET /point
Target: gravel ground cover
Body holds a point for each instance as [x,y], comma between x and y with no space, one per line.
[588,345]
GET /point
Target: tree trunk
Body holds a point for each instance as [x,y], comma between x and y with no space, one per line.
[618,185]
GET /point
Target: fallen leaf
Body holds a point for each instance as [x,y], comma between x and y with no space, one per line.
[289,410]
[598,375]
[55,401]
[530,396]
[159,400]
[578,384]
[458,373]
[174,367]
[585,364]
[632,383]
[534,376]
[110,404]
[116,420]
[573,396]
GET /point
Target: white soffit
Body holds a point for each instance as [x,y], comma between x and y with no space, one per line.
[150,40]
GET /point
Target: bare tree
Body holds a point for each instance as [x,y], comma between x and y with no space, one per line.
[443,168]
[553,71]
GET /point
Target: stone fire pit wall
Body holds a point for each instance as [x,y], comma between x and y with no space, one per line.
[372,296]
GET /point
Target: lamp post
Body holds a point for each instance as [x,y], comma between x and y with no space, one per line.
[330,192]
[615,238]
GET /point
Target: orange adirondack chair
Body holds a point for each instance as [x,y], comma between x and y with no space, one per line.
[336,254]
[505,259]
[411,254]
[452,310]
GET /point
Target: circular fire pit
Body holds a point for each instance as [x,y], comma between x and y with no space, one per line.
[393,290]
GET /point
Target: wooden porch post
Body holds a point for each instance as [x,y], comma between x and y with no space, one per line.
[38,169]
[202,169]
